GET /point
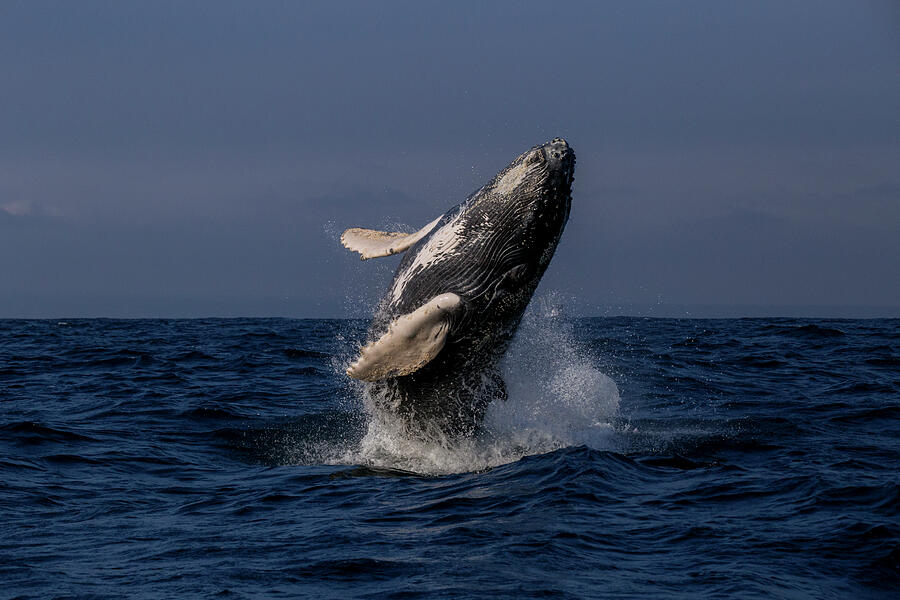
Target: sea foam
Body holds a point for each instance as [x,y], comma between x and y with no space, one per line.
[558,397]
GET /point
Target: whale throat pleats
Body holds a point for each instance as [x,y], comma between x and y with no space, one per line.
[411,342]
[371,243]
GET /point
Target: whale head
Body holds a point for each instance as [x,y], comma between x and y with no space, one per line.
[543,171]
[535,193]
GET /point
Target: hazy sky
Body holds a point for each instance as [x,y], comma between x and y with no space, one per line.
[202,158]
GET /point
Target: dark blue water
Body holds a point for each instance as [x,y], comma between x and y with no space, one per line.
[636,458]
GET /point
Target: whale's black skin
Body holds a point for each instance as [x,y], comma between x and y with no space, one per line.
[500,241]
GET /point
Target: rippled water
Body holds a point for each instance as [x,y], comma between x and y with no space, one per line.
[644,458]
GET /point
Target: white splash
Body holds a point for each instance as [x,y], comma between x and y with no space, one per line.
[557,398]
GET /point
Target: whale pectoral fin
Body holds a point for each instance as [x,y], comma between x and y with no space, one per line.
[411,342]
[371,243]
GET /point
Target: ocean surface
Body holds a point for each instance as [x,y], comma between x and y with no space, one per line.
[635,458]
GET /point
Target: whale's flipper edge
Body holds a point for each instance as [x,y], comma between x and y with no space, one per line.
[411,342]
[371,243]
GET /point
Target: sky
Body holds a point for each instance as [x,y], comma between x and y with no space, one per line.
[182,159]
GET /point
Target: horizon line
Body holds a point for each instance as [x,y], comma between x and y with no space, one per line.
[627,310]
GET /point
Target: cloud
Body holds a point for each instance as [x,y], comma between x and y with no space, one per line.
[27,212]
[17,209]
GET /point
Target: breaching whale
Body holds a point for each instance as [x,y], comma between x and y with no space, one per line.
[459,293]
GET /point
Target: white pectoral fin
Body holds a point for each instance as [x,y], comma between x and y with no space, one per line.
[411,342]
[371,243]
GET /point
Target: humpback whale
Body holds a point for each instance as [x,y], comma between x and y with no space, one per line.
[459,293]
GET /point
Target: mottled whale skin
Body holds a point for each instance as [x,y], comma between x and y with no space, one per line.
[459,294]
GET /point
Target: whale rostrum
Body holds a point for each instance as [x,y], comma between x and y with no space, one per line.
[460,291]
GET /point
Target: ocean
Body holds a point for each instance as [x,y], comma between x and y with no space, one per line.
[635,458]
